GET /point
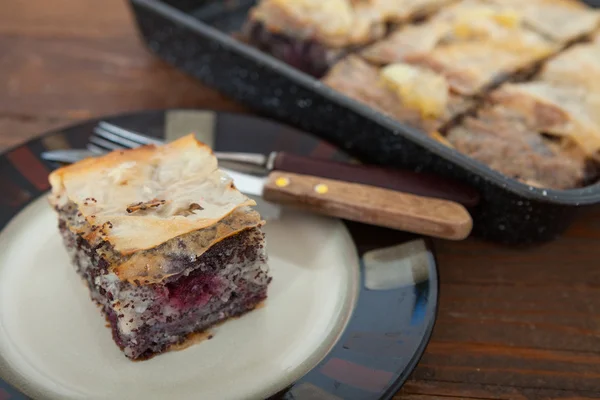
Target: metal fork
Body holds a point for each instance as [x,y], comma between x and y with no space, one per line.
[108,137]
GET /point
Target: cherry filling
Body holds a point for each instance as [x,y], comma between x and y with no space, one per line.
[193,291]
[305,55]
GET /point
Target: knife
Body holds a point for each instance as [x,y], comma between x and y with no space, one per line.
[407,181]
[419,183]
[355,202]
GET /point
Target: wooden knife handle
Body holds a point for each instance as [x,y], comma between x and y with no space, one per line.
[421,184]
[369,204]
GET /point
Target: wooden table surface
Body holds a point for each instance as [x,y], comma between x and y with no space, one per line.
[512,324]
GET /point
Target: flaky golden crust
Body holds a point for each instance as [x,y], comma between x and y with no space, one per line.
[578,66]
[471,67]
[536,132]
[506,136]
[138,199]
[338,23]
[560,20]
[474,43]
[569,113]
[361,81]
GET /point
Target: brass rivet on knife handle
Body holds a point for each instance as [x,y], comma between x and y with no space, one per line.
[371,205]
[282,182]
[321,188]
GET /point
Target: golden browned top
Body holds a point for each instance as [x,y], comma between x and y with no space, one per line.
[413,94]
[471,42]
[578,66]
[473,65]
[567,112]
[143,197]
[560,20]
[339,23]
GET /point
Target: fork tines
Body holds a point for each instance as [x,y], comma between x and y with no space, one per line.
[108,137]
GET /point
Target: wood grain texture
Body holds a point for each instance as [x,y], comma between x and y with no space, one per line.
[74,60]
[370,204]
[16,129]
[513,324]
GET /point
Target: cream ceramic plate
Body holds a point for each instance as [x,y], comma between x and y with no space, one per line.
[349,312]
[55,341]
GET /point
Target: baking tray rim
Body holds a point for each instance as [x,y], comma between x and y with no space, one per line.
[588,195]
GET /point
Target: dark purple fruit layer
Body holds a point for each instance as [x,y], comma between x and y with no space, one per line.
[306,55]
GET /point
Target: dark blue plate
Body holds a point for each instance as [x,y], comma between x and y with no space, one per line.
[393,318]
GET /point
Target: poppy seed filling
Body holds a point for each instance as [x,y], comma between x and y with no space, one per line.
[227,280]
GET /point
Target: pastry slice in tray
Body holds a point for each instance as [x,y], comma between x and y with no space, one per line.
[578,66]
[312,34]
[473,67]
[543,134]
[461,21]
[474,43]
[415,95]
[560,20]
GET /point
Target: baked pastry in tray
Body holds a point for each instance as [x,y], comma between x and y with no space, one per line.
[313,34]
[511,24]
[562,21]
[166,244]
[476,44]
[416,95]
[577,66]
[543,134]
[510,83]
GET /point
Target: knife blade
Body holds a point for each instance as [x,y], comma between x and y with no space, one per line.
[252,187]
[355,202]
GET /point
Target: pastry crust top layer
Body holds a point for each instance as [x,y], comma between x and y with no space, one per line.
[473,43]
[559,20]
[140,198]
[339,23]
[416,95]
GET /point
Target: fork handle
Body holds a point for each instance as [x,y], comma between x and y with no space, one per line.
[417,183]
[370,205]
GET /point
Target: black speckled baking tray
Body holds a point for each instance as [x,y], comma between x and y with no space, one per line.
[195,36]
